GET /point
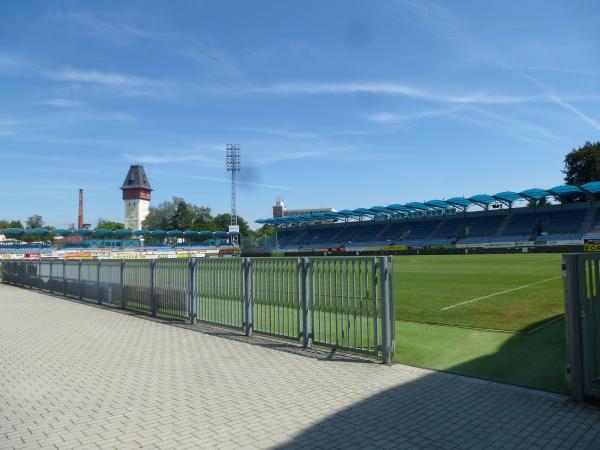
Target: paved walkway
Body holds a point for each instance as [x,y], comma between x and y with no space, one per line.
[78,376]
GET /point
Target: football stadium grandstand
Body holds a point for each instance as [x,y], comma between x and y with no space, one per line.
[560,216]
[119,243]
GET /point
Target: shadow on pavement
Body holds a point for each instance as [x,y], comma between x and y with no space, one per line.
[442,410]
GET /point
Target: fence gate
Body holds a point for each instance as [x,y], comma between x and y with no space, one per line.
[582,320]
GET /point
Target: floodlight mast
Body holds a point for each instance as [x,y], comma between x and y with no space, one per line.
[233,165]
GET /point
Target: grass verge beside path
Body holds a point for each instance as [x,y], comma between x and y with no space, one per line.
[534,360]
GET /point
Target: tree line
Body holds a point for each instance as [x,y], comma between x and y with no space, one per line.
[177,214]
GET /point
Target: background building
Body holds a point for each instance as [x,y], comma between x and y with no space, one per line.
[280,210]
[136,195]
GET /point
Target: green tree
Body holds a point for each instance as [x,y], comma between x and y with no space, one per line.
[183,218]
[10,224]
[203,220]
[161,217]
[222,222]
[177,214]
[34,221]
[109,225]
[582,164]
[265,231]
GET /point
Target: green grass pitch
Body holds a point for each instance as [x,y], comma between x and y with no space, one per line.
[513,292]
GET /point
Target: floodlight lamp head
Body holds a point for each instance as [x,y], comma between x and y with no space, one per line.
[232,158]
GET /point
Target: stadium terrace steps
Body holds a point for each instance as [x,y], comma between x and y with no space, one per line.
[595,225]
[450,229]
[587,221]
[502,226]
[522,225]
[435,230]
[483,226]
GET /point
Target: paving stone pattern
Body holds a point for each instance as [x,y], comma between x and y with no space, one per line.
[78,376]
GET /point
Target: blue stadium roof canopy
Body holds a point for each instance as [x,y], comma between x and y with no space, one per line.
[418,206]
[565,190]
[507,196]
[13,231]
[399,208]
[592,187]
[123,233]
[102,232]
[141,232]
[459,201]
[381,210]
[411,208]
[482,199]
[363,212]
[83,232]
[61,232]
[38,231]
[535,194]
[438,204]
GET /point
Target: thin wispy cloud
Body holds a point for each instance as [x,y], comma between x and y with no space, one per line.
[110,27]
[171,158]
[446,24]
[12,64]
[558,100]
[95,76]
[120,82]
[569,107]
[390,88]
[222,180]
[516,128]
[121,30]
[399,118]
[61,103]
[10,127]
[289,134]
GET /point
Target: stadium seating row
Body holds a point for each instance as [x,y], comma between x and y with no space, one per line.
[528,224]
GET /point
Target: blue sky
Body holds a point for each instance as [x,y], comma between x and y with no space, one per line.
[341,103]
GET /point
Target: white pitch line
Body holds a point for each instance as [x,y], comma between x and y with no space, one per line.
[499,293]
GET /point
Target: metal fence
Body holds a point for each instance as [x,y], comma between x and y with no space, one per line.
[340,302]
[582,323]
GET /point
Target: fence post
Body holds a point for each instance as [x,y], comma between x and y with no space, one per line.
[392,298]
[248,297]
[385,306]
[193,304]
[79,279]
[64,282]
[375,293]
[39,273]
[50,281]
[153,306]
[122,282]
[573,328]
[99,298]
[306,335]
